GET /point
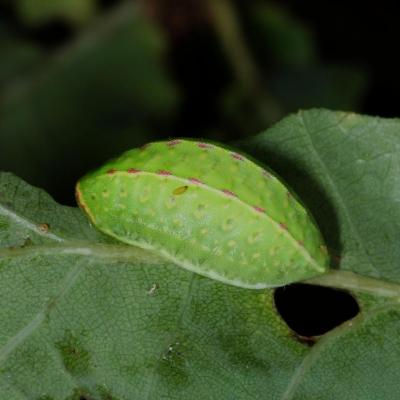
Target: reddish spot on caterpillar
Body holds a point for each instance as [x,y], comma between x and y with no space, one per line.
[204,145]
[301,243]
[133,171]
[228,192]
[283,226]
[237,156]
[164,172]
[173,142]
[195,181]
[111,171]
[259,209]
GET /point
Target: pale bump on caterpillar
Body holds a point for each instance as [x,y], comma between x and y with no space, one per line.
[207,209]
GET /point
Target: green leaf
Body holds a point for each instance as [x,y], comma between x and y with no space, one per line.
[82,315]
[344,168]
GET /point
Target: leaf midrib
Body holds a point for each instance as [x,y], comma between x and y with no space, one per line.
[28,224]
[106,252]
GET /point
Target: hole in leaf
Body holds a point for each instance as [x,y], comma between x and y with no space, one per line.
[314,310]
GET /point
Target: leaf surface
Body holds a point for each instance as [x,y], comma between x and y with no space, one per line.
[84,316]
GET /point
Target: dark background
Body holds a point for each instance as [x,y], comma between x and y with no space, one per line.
[79,86]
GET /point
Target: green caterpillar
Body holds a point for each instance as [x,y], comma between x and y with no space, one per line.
[207,209]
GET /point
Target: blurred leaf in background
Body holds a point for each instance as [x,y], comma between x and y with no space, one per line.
[291,73]
[16,56]
[279,38]
[339,87]
[38,11]
[90,100]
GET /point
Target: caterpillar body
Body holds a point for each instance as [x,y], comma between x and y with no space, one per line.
[207,209]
